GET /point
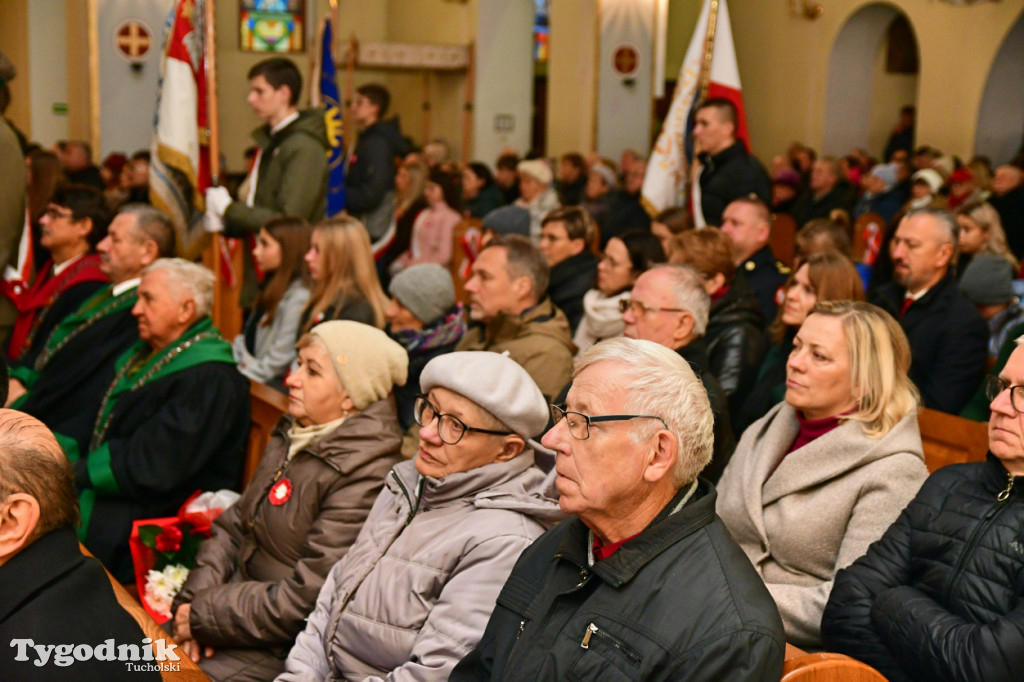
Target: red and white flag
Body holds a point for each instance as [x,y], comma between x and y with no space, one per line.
[180,164]
[665,184]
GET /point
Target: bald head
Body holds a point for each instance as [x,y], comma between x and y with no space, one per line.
[37,490]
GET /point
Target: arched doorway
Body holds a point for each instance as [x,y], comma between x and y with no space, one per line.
[1000,131]
[872,73]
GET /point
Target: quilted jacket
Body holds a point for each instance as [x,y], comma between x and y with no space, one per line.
[941,595]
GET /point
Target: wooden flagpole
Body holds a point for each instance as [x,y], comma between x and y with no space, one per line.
[227,314]
[709,50]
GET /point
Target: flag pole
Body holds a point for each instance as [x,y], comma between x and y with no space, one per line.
[709,50]
[212,123]
[217,245]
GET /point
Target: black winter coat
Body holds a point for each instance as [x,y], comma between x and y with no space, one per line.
[941,595]
[570,280]
[948,342]
[370,173]
[729,175]
[679,601]
[52,594]
[736,343]
[696,354]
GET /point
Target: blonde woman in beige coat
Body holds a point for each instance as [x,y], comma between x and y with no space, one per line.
[827,471]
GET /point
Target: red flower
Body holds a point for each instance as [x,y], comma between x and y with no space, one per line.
[169,540]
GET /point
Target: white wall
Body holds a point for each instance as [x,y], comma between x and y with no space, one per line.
[47,70]
[890,92]
[128,96]
[851,73]
[503,84]
[1001,116]
[624,107]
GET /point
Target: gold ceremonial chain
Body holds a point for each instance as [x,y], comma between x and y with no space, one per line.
[48,353]
[100,430]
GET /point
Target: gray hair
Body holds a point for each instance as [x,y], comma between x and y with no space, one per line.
[688,293]
[945,220]
[662,384]
[152,225]
[196,279]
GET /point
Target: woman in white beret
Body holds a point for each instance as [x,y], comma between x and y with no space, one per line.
[414,593]
[259,574]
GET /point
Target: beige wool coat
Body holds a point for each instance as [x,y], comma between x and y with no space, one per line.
[820,509]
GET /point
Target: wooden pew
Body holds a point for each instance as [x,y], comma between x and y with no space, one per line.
[801,666]
[948,439]
[783,238]
[266,406]
[189,671]
[867,230]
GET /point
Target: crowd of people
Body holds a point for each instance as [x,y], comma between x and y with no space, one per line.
[642,447]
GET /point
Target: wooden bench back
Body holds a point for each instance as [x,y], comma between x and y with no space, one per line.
[460,259]
[266,406]
[783,238]
[189,671]
[801,666]
[948,439]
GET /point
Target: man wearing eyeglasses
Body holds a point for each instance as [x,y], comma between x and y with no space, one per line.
[669,306]
[939,596]
[645,581]
[74,223]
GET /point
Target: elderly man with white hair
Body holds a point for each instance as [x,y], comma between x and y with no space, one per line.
[174,420]
[645,582]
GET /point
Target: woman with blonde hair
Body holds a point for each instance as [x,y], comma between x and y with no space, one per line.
[981,231]
[345,283]
[825,473]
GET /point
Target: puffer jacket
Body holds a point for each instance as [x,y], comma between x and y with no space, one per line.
[370,176]
[257,577]
[538,340]
[941,595]
[736,343]
[679,601]
[414,593]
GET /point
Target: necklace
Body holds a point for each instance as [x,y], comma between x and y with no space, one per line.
[102,424]
[48,352]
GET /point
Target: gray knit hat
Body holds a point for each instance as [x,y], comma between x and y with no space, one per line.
[988,280]
[425,289]
[509,220]
[367,361]
[496,383]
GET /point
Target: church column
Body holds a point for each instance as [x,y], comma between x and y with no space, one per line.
[572,81]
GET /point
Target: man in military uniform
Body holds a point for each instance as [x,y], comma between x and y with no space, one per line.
[748,222]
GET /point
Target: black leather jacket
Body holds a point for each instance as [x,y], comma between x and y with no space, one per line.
[736,343]
[679,601]
[941,595]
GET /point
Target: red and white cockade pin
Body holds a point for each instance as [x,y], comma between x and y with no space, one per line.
[281,492]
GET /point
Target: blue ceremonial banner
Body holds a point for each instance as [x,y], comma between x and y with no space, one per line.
[329,99]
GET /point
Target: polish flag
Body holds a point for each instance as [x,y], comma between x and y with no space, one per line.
[665,183]
[180,164]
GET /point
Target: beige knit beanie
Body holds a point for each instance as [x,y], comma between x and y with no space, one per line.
[367,361]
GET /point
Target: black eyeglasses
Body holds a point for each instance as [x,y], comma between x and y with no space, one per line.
[579,423]
[640,307]
[450,429]
[53,211]
[996,385]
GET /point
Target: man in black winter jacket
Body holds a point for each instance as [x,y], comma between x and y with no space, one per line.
[941,595]
[727,171]
[370,170]
[645,582]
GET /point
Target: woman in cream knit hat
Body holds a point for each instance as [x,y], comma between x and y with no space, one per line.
[258,576]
